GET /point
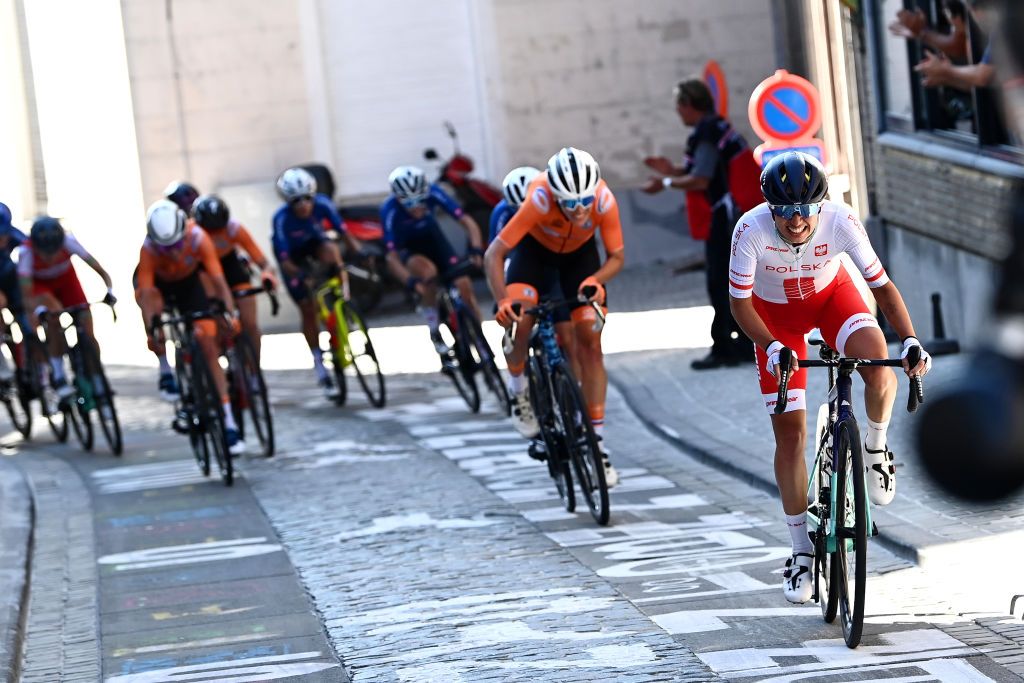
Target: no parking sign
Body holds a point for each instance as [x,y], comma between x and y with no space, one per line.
[715,79]
[785,112]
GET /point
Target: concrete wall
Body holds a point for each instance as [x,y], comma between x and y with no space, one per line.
[237,110]
[599,74]
[265,84]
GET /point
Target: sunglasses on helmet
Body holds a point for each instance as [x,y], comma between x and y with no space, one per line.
[570,204]
[301,198]
[787,211]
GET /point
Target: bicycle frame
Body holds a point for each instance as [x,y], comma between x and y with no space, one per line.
[330,302]
[840,407]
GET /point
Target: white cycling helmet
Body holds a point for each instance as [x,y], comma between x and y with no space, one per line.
[515,183]
[573,174]
[409,182]
[165,223]
[295,183]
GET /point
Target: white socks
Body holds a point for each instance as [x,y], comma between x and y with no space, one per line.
[875,440]
[517,384]
[430,315]
[318,363]
[58,368]
[798,531]
[229,417]
[165,366]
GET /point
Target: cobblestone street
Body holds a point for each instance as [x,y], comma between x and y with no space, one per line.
[421,543]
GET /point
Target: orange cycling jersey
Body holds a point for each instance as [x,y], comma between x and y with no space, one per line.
[541,217]
[177,263]
[234,234]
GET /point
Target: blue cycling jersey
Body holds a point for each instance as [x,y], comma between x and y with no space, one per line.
[400,227]
[500,214]
[291,233]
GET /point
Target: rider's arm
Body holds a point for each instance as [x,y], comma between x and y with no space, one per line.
[705,159]
[742,267]
[494,267]
[25,270]
[607,210]
[475,236]
[891,305]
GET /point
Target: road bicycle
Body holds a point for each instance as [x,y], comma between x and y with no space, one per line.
[558,404]
[33,380]
[93,393]
[469,352]
[199,413]
[247,387]
[350,343]
[15,389]
[839,516]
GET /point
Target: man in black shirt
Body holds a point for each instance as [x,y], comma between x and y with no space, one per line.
[709,148]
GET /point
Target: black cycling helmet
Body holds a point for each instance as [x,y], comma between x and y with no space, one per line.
[47,234]
[181,193]
[211,212]
[793,178]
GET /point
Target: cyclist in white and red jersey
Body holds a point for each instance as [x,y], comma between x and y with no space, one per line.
[48,279]
[785,279]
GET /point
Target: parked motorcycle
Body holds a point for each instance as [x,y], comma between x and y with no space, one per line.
[476,196]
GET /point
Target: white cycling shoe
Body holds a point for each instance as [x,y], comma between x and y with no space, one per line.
[880,474]
[798,578]
[611,475]
[523,418]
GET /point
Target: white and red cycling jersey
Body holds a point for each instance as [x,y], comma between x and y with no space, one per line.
[54,274]
[763,265]
[797,290]
[38,267]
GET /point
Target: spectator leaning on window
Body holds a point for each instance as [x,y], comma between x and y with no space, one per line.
[711,144]
[984,413]
[914,25]
[937,69]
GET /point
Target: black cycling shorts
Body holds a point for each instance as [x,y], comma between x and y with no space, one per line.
[433,245]
[544,270]
[236,271]
[186,295]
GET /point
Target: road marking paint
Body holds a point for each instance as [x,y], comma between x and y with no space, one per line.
[174,555]
[250,670]
[415,520]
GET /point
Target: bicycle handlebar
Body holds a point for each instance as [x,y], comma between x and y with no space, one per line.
[913,358]
[267,289]
[43,313]
[546,307]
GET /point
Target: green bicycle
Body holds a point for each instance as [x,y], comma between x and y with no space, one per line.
[350,343]
[838,515]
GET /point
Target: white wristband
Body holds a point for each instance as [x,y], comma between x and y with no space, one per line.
[666,182]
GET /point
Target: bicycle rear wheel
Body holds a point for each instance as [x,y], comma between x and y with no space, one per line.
[363,358]
[211,415]
[13,392]
[559,468]
[251,394]
[103,395]
[485,360]
[851,530]
[582,444]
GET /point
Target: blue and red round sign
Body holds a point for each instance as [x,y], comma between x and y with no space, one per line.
[715,79]
[785,107]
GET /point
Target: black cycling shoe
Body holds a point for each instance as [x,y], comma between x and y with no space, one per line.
[538,450]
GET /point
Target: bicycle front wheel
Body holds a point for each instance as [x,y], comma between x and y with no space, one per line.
[581,443]
[188,411]
[558,461]
[103,395]
[14,395]
[211,415]
[851,555]
[820,498]
[363,358]
[457,364]
[251,394]
[485,360]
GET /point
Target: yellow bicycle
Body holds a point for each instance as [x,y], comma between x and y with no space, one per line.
[350,343]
